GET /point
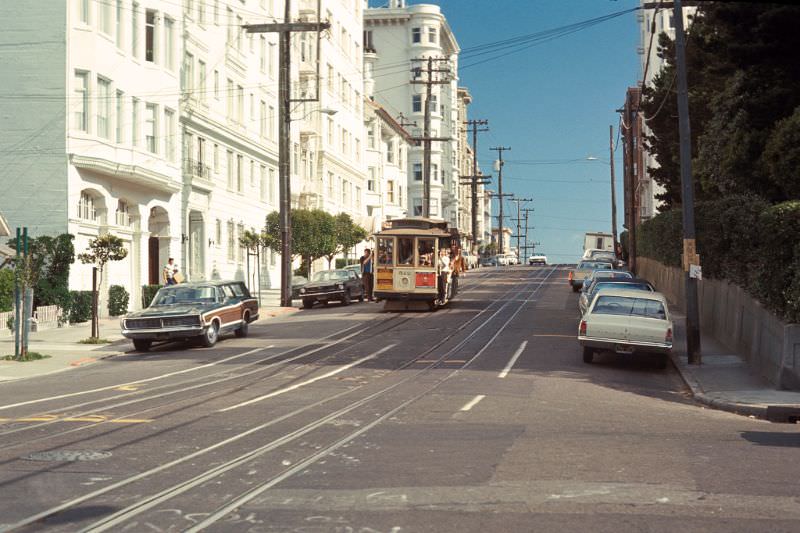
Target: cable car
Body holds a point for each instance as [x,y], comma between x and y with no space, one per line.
[408,272]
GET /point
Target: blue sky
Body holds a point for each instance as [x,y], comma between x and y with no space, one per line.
[551,103]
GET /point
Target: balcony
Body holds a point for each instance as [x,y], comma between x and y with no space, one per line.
[199,174]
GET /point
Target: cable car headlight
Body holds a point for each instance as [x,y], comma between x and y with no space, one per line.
[302,291]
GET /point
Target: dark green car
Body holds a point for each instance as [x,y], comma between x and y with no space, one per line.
[341,285]
[200,310]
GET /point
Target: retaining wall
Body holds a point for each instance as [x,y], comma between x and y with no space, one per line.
[738,321]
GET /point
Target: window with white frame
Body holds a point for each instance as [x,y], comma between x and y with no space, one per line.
[83,11]
[134,29]
[416,103]
[201,80]
[433,35]
[118,116]
[169,43]
[86,208]
[150,35]
[170,132]
[262,119]
[239,173]
[231,241]
[216,84]
[151,128]
[273,185]
[434,207]
[118,25]
[188,74]
[218,233]
[123,214]
[417,207]
[201,12]
[252,174]
[263,53]
[371,179]
[390,152]
[103,107]
[264,185]
[371,136]
[272,120]
[357,195]
[416,35]
[434,172]
[216,159]
[104,16]
[239,247]
[390,191]
[417,171]
[231,166]
[135,105]
[81,91]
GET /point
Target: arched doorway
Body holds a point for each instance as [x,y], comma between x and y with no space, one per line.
[158,245]
[196,256]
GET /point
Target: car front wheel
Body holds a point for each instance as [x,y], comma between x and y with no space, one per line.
[588,355]
[346,298]
[211,335]
[242,330]
[308,303]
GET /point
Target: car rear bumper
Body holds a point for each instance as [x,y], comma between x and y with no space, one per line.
[614,345]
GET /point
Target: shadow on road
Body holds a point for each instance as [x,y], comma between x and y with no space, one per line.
[769,438]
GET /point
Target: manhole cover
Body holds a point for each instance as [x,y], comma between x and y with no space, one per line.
[68,455]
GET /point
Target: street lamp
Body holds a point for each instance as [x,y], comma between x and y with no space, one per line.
[610,163]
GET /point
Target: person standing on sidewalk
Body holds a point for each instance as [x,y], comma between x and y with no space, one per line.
[366,273]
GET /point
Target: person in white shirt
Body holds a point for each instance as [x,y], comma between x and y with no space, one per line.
[444,272]
[170,269]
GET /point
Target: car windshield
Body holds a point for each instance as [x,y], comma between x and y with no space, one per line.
[330,275]
[181,295]
[609,274]
[632,286]
[629,306]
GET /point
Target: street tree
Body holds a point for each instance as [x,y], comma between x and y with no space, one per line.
[101,250]
[347,235]
[313,234]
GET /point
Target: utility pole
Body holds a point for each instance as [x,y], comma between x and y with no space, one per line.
[613,188]
[690,257]
[426,138]
[473,179]
[527,211]
[285,30]
[499,168]
[519,220]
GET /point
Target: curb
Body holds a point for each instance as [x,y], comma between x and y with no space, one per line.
[743,409]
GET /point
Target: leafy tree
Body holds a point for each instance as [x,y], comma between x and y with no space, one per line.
[6,291]
[50,261]
[782,156]
[101,250]
[313,234]
[347,235]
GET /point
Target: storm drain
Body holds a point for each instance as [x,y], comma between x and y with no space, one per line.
[68,455]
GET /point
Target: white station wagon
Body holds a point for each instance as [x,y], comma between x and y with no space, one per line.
[627,322]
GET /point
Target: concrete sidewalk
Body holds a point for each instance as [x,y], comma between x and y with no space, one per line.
[725,381]
[66,352]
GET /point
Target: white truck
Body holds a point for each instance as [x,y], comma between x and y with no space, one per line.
[598,241]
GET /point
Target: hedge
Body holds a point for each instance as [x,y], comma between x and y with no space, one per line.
[118,299]
[80,306]
[6,290]
[741,239]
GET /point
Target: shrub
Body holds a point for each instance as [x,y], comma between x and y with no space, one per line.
[118,299]
[80,306]
[6,290]
[148,293]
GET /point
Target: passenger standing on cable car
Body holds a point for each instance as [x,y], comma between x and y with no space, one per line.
[444,271]
[366,273]
[458,264]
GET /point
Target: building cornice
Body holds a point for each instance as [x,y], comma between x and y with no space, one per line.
[133,173]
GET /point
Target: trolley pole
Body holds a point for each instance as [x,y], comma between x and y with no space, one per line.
[499,168]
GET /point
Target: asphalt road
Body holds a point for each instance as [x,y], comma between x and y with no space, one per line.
[478,417]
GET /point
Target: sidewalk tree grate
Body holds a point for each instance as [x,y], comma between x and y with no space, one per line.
[68,455]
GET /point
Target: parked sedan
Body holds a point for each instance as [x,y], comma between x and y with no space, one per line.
[590,291]
[583,269]
[537,260]
[603,273]
[340,285]
[489,261]
[201,310]
[501,260]
[627,322]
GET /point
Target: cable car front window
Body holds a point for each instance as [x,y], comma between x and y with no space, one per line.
[386,251]
[405,251]
[425,252]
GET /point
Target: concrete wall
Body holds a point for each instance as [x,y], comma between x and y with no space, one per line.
[738,321]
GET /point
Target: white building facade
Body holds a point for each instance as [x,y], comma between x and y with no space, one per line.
[97,145]
[402,37]
[660,20]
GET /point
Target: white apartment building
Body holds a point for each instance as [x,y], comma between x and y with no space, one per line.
[90,142]
[229,122]
[401,36]
[330,155]
[651,65]
[386,158]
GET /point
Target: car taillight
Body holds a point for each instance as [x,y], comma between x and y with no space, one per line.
[583,328]
[570,276]
[668,336]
